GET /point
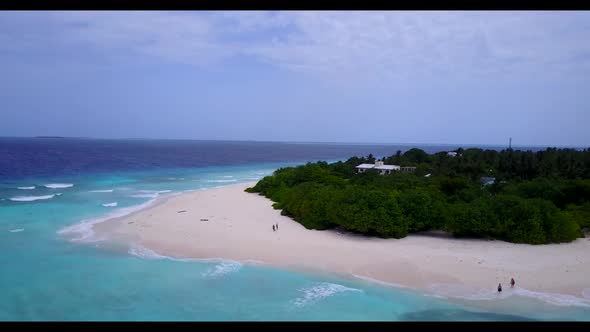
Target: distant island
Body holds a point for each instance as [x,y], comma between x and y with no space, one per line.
[49,137]
[512,195]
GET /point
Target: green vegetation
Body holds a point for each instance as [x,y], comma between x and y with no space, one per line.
[536,198]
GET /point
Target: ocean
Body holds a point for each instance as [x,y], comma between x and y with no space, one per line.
[53,189]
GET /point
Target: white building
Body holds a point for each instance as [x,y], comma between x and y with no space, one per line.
[383,169]
[452,154]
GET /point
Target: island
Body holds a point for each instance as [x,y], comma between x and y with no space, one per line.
[464,221]
[516,196]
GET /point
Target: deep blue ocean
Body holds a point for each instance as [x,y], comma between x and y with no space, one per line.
[52,190]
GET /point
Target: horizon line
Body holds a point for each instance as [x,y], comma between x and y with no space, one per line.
[295,142]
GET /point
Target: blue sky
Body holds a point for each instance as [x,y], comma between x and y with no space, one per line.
[387,77]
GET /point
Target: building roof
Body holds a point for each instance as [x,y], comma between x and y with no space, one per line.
[366,166]
[380,167]
[387,167]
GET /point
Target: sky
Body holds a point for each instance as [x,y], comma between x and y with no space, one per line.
[367,77]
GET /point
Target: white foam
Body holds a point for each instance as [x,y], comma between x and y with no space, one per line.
[466,292]
[145,253]
[113,204]
[227,176]
[221,269]
[58,185]
[375,281]
[26,188]
[17,230]
[175,179]
[154,195]
[150,193]
[553,298]
[320,291]
[85,227]
[32,198]
[222,181]
[483,294]
[255,262]
[102,191]
[586,293]
[223,266]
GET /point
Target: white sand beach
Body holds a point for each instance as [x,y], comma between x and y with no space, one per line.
[232,224]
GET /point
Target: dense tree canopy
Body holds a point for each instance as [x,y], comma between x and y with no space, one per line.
[536,198]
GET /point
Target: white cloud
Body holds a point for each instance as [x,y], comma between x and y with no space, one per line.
[332,44]
[169,35]
[405,42]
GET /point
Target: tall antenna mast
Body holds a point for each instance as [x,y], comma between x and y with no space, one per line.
[510,143]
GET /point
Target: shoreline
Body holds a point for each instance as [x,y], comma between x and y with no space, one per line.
[230,224]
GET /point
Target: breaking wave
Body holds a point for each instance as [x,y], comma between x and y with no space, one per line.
[58,185]
[149,193]
[154,195]
[84,229]
[481,294]
[145,253]
[26,188]
[32,198]
[101,191]
[375,281]
[221,269]
[320,291]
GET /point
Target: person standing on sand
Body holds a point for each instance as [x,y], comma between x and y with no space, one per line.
[512,282]
[273,228]
[499,288]
[277,227]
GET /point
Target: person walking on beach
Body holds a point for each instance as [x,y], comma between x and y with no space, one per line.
[499,288]
[512,282]
[277,227]
[273,228]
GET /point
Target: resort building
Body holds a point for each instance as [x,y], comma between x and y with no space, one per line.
[382,168]
[452,154]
